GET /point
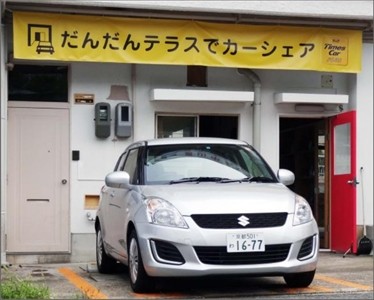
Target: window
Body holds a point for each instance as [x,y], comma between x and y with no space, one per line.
[38,83]
[218,126]
[119,164]
[131,166]
[202,125]
[342,154]
[176,126]
[196,76]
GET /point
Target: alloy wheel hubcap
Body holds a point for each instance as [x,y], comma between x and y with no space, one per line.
[99,247]
[134,260]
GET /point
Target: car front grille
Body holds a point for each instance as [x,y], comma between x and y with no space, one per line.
[306,248]
[224,221]
[220,256]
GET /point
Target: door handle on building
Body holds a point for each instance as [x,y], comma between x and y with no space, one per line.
[64,181]
[353,182]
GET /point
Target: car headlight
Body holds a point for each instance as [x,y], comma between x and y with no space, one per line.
[303,212]
[162,212]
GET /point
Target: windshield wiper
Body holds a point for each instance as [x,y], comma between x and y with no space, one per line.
[258,179]
[250,179]
[199,179]
[223,180]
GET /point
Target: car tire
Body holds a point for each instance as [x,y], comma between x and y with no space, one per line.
[105,263]
[139,279]
[299,280]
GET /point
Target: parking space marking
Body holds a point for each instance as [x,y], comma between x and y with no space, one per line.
[309,290]
[344,282]
[91,292]
[319,289]
[87,289]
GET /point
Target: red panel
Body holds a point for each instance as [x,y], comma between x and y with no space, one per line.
[343,193]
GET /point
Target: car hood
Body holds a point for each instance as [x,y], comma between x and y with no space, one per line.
[215,198]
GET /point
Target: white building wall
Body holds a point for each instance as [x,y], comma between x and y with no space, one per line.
[97,156]
[149,77]
[364,93]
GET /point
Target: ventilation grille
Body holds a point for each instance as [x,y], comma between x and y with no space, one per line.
[220,256]
[224,221]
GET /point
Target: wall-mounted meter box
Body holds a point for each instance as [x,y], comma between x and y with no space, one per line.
[123,119]
[102,120]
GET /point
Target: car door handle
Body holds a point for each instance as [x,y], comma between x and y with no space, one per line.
[112,194]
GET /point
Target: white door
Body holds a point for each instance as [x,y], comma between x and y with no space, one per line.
[38,180]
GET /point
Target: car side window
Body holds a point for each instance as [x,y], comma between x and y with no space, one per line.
[120,161]
[131,166]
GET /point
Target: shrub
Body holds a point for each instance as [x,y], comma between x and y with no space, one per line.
[15,288]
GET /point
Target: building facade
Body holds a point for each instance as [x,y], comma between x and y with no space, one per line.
[80,81]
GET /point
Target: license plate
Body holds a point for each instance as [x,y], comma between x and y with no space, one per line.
[245,242]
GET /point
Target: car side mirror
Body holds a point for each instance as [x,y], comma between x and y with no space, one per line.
[119,179]
[286,176]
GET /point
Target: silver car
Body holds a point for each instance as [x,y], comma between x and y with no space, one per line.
[203,206]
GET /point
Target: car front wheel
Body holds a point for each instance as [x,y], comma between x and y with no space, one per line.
[139,280]
[105,263]
[299,280]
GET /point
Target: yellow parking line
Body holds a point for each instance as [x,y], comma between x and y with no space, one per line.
[295,290]
[308,290]
[344,282]
[87,289]
[318,288]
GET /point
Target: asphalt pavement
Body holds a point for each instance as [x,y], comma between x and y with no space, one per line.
[336,275]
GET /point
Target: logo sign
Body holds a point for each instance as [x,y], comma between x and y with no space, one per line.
[335,51]
[243,220]
[63,37]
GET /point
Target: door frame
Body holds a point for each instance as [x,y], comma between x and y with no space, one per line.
[325,243]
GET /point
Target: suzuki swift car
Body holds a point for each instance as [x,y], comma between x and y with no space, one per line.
[203,206]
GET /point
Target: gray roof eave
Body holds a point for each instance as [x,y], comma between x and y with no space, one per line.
[359,10]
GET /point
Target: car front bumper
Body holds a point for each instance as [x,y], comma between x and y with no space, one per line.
[185,241]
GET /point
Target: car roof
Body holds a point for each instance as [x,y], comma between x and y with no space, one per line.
[188,140]
[193,140]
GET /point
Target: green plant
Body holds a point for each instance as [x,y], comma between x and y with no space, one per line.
[16,288]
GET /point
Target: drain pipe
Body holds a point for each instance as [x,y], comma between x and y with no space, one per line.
[253,77]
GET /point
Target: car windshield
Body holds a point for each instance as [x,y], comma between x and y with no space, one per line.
[222,163]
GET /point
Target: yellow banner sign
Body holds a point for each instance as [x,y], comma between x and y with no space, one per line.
[62,37]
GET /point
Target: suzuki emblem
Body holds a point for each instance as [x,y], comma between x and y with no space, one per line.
[243,220]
